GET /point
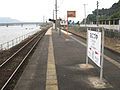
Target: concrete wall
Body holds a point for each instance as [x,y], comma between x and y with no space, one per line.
[114,27]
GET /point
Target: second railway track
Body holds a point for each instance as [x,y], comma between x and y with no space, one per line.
[10,66]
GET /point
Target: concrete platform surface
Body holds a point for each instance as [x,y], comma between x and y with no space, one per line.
[58,63]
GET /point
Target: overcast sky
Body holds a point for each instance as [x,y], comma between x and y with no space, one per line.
[35,10]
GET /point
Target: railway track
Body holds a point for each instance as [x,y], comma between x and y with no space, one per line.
[10,66]
[84,39]
[109,54]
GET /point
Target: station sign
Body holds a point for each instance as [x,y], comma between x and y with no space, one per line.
[94,47]
[71,13]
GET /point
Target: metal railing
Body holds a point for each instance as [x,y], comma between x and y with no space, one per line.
[11,43]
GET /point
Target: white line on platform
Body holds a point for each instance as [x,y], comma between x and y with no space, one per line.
[51,78]
[79,41]
[106,57]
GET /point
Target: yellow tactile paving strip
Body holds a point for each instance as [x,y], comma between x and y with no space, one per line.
[51,78]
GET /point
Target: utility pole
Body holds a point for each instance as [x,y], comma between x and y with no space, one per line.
[97,14]
[56,14]
[85,14]
[53,14]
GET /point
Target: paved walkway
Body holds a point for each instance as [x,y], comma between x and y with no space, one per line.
[58,63]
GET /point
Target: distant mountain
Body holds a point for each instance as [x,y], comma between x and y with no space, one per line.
[8,20]
[111,13]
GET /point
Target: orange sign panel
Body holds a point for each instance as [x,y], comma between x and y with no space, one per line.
[71,13]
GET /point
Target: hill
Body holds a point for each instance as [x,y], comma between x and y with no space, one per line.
[111,13]
[8,20]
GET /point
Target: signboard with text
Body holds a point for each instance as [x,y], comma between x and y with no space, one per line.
[71,13]
[94,46]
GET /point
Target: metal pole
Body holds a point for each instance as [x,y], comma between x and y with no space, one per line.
[87,49]
[101,70]
[97,14]
[85,14]
[53,27]
[56,14]
[87,34]
[53,14]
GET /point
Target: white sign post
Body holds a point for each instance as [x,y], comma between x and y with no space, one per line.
[94,48]
[102,58]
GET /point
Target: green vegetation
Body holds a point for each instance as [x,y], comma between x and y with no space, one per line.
[111,13]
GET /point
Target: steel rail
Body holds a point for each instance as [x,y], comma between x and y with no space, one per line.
[2,64]
[8,80]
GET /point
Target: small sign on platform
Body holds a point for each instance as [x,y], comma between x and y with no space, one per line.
[94,46]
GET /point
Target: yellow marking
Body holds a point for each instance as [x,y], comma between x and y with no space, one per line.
[51,79]
[51,87]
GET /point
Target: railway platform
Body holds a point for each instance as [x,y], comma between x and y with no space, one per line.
[58,63]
